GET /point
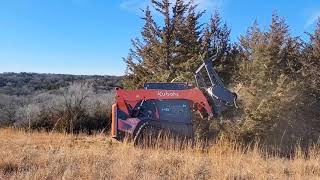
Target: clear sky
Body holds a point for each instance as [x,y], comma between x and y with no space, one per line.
[92,36]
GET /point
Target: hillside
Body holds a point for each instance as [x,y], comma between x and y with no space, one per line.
[59,156]
[42,101]
[22,84]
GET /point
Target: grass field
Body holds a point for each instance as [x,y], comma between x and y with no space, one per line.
[57,156]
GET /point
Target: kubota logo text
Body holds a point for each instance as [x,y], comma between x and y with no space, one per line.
[166,93]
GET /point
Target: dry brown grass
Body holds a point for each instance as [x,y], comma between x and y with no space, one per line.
[55,156]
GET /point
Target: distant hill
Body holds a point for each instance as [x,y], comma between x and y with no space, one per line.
[22,84]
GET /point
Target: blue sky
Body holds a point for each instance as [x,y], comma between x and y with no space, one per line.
[92,36]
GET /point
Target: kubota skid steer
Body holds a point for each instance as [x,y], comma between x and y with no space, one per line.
[168,106]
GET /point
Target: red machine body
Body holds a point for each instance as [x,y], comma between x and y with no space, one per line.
[128,99]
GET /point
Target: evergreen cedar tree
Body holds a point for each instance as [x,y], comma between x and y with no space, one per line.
[175,50]
[311,61]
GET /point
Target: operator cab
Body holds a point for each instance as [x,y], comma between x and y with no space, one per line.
[176,111]
[174,115]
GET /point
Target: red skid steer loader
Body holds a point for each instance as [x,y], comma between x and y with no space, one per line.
[168,106]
